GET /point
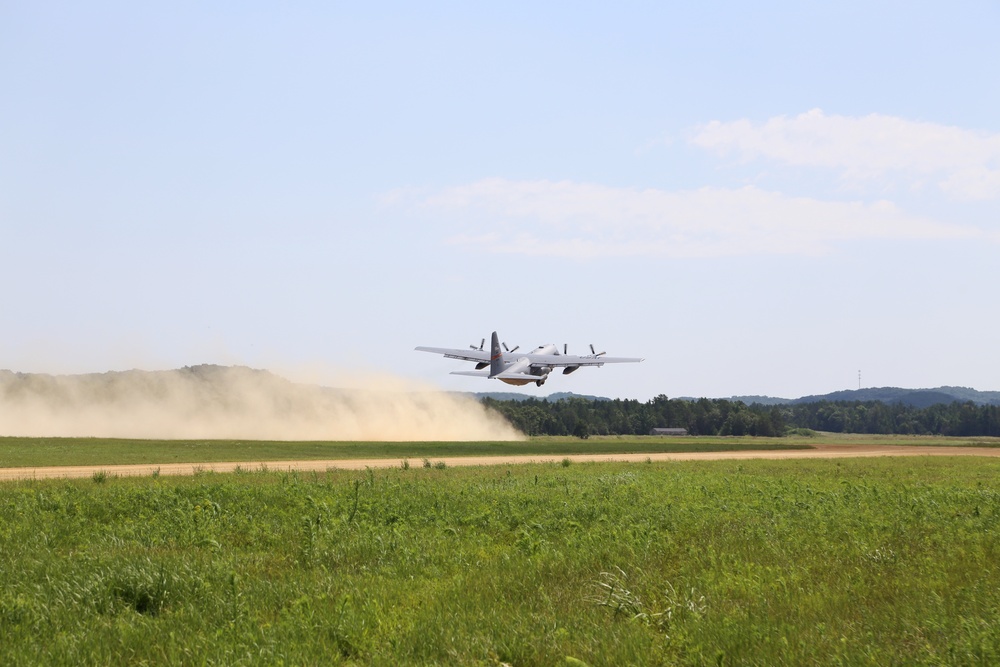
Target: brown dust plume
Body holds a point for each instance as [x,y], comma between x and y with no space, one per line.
[222,402]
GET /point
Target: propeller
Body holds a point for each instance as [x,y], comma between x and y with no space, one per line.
[596,354]
[565,348]
[481,343]
[516,348]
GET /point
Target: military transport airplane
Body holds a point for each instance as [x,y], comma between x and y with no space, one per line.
[526,367]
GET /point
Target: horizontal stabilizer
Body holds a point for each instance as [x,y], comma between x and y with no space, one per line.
[477,356]
[475,374]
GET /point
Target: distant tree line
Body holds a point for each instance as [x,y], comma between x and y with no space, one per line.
[583,417]
[957,419]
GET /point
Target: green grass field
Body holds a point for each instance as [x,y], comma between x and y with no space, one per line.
[36,452]
[888,561]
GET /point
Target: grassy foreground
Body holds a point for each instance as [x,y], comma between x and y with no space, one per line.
[889,561]
[36,452]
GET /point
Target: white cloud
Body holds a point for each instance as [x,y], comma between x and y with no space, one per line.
[965,164]
[586,220]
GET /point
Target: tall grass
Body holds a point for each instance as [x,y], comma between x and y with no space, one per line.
[752,562]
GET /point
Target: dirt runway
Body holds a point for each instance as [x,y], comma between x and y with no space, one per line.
[819,452]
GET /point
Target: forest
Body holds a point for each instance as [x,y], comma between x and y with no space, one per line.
[585,417]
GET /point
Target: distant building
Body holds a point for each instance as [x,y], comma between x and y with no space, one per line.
[669,431]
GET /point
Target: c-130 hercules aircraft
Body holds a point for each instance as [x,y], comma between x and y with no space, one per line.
[519,369]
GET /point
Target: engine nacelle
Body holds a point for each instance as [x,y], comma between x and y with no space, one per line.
[541,370]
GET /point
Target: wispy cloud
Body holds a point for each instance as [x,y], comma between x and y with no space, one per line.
[586,220]
[963,163]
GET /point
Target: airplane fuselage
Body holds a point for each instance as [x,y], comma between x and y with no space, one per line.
[521,363]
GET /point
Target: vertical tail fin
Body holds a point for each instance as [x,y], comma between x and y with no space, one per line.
[496,356]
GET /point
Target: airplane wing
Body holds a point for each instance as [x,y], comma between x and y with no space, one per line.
[478,356]
[556,360]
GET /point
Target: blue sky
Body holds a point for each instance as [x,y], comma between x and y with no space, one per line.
[758,198]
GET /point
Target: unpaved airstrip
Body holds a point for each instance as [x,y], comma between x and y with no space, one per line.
[819,452]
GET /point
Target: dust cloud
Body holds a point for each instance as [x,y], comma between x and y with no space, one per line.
[234,402]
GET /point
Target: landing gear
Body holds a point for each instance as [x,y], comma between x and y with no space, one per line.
[539,382]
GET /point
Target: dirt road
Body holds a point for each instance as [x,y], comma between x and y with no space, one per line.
[820,452]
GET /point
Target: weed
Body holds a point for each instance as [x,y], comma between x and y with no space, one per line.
[144,591]
[354,506]
[612,592]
